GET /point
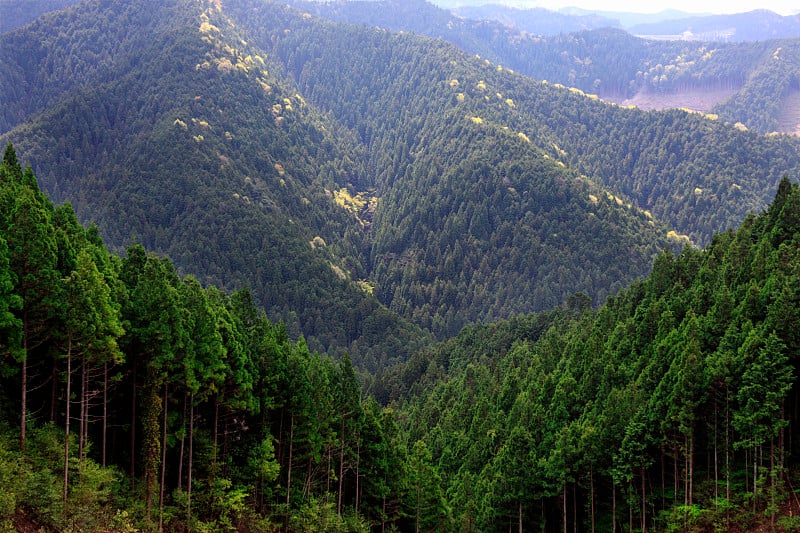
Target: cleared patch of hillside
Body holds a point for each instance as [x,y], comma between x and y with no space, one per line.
[789,121]
[695,99]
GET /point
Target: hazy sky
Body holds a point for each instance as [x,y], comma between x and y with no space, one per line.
[784,7]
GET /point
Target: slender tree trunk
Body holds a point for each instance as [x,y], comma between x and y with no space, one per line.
[574,508]
[182,447]
[289,465]
[225,432]
[663,477]
[613,507]
[631,493]
[519,514]
[82,412]
[341,471]
[24,381]
[133,426]
[358,463]
[163,463]
[755,477]
[716,456]
[747,485]
[191,456]
[772,483]
[215,439]
[644,501]
[328,474]
[591,495]
[419,502]
[691,469]
[564,506]
[66,423]
[54,391]
[105,413]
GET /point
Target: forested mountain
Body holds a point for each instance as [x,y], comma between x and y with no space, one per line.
[662,162]
[133,398]
[758,25]
[672,408]
[14,13]
[753,83]
[153,125]
[538,21]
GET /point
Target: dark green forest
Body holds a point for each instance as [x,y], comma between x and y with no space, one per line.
[137,398]
[262,271]
[368,187]
[608,61]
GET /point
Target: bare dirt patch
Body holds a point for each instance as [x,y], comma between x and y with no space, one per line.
[695,99]
[789,121]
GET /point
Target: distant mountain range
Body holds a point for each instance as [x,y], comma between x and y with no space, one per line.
[756,83]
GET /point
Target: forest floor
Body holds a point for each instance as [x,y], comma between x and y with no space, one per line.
[23,523]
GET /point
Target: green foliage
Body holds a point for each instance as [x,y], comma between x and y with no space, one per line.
[609,61]
[662,405]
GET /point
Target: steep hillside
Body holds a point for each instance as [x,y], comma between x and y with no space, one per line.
[673,394]
[609,62]
[692,171]
[178,136]
[475,220]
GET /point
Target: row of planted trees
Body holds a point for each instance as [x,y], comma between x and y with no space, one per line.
[179,406]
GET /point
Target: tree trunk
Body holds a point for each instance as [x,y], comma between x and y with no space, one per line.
[358,462]
[564,506]
[133,426]
[613,507]
[182,447]
[191,455]
[591,495]
[105,413]
[755,477]
[289,464]
[341,471]
[54,391]
[644,501]
[24,381]
[82,413]
[772,483]
[691,469]
[163,463]
[66,423]
[215,439]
